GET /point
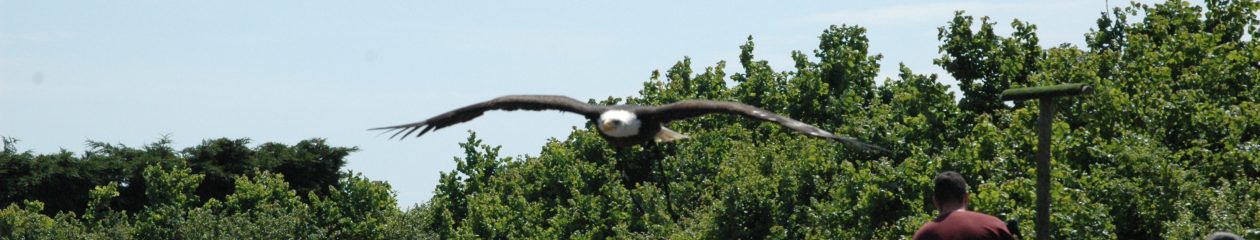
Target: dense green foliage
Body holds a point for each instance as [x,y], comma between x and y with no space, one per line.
[62,180]
[1167,147]
[220,189]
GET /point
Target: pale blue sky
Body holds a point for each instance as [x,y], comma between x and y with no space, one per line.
[131,71]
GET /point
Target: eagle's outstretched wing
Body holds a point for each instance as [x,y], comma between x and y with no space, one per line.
[693,108]
[507,103]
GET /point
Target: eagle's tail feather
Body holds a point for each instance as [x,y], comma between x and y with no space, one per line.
[666,135]
[854,142]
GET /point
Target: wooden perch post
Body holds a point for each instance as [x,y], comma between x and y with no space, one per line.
[1046,94]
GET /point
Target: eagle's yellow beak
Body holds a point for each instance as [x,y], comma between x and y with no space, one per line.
[605,126]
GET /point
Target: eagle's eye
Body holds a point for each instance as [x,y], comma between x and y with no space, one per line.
[616,122]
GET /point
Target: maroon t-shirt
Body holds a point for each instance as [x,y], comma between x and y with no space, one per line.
[964,225]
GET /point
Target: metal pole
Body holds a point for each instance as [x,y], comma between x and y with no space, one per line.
[1044,131]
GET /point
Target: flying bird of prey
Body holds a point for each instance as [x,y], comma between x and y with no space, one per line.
[620,125]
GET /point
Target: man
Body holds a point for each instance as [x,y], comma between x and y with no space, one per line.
[954,221]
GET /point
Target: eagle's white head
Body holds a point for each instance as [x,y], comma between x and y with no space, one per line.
[619,123]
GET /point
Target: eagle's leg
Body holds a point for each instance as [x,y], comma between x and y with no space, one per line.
[663,180]
[669,201]
[632,167]
[633,173]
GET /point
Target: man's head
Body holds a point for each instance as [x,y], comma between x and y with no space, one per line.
[951,190]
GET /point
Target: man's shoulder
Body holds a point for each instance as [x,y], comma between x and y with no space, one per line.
[978,216]
[927,231]
[964,224]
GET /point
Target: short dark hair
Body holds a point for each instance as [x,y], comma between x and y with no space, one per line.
[950,187]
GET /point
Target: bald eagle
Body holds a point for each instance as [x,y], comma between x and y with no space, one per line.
[620,125]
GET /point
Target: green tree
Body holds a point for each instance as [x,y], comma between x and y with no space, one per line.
[986,64]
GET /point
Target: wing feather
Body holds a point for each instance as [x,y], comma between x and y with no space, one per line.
[506,103]
[694,108]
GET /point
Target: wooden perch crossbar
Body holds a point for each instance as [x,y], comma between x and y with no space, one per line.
[1068,89]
